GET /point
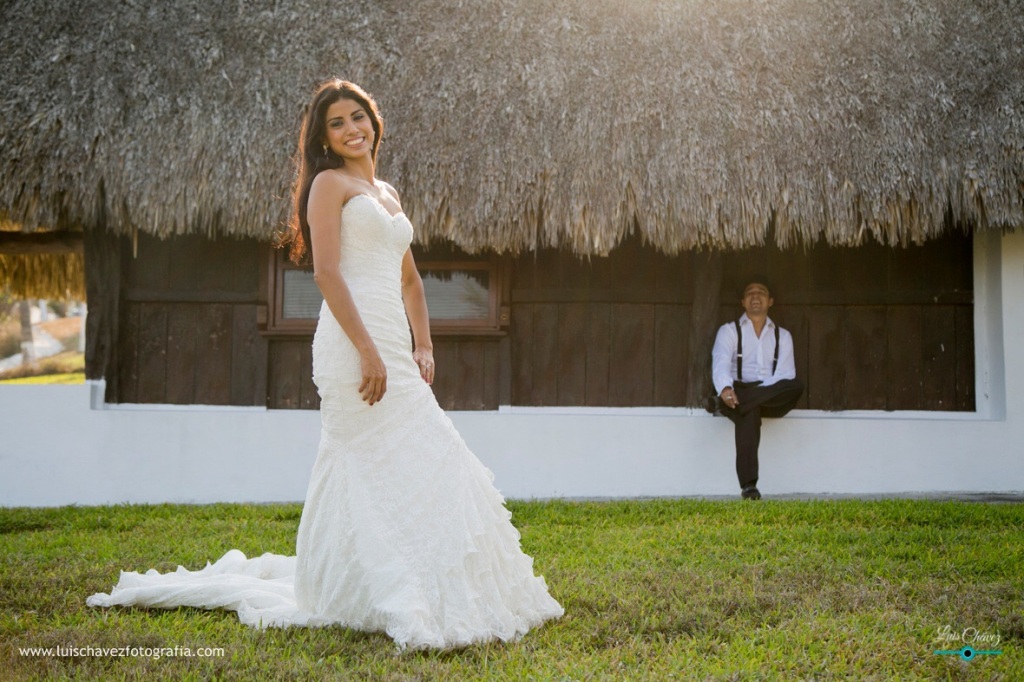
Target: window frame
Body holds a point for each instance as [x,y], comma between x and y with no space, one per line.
[495,324]
[497,318]
[277,324]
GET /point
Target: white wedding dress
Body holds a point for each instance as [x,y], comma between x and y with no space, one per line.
[402,531]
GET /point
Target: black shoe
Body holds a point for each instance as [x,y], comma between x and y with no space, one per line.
[751,493]
[713,404]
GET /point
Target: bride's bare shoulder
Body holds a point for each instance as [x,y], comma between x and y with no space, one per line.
[331,185]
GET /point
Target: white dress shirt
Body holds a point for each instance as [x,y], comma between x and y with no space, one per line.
[758,355]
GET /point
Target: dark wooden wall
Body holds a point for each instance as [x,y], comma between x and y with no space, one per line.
[874,328]
[608,331]
[469,373]
[189,334]
[188,323]
[290,375]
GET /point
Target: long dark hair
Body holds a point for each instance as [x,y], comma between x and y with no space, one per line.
[311,159]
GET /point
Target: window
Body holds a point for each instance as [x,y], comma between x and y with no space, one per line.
[463,296]
[294,298]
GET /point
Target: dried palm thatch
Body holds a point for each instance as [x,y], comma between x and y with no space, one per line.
[516,124]
[51,276]
[58,276]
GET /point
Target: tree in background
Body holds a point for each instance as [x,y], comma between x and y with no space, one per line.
[28,347]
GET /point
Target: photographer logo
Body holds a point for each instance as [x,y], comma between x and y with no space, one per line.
[974,642]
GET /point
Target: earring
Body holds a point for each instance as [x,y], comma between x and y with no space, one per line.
[325,150]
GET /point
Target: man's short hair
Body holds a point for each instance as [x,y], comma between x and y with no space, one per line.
[757,279]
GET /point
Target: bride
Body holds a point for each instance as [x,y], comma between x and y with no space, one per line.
[402,530]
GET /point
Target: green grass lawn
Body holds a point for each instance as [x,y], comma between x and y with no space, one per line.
[656,589]
[64,368]
[65,378]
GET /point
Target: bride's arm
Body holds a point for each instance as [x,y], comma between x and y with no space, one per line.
[415,301]
[419,319]
[326,199]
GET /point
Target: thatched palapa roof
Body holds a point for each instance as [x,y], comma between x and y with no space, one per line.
[48,266]
[516,124]
[50,276]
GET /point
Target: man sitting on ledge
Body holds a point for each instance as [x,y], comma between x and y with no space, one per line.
[755,376]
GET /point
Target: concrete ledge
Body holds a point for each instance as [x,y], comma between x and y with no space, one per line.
[69,453]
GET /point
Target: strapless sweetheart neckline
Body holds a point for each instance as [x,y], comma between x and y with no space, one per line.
[375,202]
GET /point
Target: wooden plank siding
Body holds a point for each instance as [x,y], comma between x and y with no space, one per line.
[248,357]
[631,380]
[190,335]
[188,328]
[965,386]
[597,351]
[181,354]
[866,353]
[874,328]
[671,348]
[286,371]
[468,373]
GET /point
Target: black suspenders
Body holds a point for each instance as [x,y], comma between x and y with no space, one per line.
[739,351]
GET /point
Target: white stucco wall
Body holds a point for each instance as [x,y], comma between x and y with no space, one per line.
[60,445]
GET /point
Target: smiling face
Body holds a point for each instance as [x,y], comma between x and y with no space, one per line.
[349,129]
[756,300]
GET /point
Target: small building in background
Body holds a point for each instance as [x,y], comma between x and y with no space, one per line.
[589,183]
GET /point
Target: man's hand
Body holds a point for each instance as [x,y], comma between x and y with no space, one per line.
[729,398]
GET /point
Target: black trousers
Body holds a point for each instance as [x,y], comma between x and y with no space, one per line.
[757,401]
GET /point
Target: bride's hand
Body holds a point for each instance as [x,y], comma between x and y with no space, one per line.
[375,377]
[425,361]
